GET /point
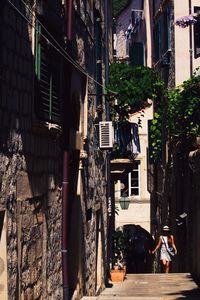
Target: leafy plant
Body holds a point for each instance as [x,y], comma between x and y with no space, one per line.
[119,5]
[156,137]
[133,87]
[120,245]
[182,122]
[184,111]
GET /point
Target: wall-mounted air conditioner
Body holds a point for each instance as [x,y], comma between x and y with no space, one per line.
[105,135]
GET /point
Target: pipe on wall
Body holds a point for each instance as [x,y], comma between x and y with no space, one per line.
[190,41]
[68,7]
[108,178]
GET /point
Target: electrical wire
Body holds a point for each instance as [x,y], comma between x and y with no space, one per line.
[61,50]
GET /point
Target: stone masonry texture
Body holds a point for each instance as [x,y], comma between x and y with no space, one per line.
[31,169]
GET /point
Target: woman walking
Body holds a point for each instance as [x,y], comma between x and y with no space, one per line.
[165,243]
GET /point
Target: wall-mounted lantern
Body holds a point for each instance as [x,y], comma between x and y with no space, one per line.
[124,202]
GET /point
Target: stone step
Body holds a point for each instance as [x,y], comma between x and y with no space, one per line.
[172,286]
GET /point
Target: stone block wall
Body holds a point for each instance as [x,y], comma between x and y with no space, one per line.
[89,208]
[30,169]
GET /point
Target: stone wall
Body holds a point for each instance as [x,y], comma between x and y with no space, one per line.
[30,169]
[88,223]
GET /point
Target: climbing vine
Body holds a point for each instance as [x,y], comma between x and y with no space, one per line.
[184,112]
[133,87]
[177,111]
[182,122]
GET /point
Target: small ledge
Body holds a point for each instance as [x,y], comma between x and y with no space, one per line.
[119,167]
[47,128]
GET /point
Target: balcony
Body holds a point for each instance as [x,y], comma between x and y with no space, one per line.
[126,148]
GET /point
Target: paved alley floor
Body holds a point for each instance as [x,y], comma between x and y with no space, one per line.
[173,286]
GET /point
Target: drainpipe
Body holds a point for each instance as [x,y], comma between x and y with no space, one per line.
[108,177]
[68,5]
[106,43]
[190,41]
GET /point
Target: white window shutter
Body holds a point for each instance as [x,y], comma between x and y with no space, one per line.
[105,135]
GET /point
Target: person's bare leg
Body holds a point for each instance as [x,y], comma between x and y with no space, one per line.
[164,264]
[167,267]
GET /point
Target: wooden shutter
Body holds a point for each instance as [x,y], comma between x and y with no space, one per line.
[136,54]
[157,41]
[166,29]
[47,76]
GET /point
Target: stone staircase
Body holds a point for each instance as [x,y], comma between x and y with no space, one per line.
[172,286]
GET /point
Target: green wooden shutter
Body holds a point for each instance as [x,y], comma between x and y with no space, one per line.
[47,67]
[167,30]
[157,41]
[136,54]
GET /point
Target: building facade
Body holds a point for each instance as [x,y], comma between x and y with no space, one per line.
[132,43]
[176,56]
[53,200]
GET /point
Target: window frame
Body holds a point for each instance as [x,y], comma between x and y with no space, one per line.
[138,170]
[127,184]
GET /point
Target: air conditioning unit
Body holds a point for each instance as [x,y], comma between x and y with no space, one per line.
[105,135]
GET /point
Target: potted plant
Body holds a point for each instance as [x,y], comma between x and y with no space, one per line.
[118,261]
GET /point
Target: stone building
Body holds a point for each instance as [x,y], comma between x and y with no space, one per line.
[54,59]
[132,40]
[174,198]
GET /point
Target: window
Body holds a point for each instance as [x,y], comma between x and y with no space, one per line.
[134,180]
[167,29]
[48,77]
[157,41]
[131,183]
[136,54]
[197,34]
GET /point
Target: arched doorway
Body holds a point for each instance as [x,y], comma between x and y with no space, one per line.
[140,241]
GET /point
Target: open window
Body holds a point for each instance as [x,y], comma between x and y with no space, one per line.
[131,182]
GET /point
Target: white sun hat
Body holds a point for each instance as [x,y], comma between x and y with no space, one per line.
[165,228]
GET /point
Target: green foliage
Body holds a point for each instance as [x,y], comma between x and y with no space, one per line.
[182,118]
[177,111]
[156,137]
[134,86]
[119,5]
[184,110]
[120,246]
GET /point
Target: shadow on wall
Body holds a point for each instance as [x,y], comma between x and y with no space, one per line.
[140,242]
[30,173]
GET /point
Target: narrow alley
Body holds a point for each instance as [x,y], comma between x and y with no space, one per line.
[172,286]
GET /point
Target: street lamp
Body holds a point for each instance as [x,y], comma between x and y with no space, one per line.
[124,201]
